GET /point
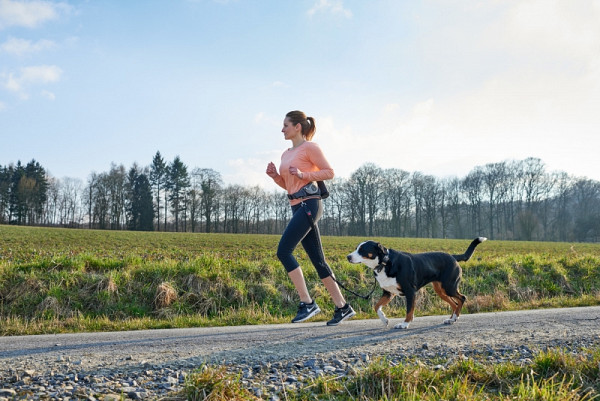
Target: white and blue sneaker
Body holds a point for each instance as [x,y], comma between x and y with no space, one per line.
[341,314]
[306,311]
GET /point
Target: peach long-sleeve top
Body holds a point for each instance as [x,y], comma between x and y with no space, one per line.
[310,160]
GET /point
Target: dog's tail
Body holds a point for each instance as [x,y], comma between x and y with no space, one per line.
[467,255]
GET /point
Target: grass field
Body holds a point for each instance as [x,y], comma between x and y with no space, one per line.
[61,280]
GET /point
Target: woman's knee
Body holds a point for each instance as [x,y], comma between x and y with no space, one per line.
[287,259]
[323,270]
[283,254]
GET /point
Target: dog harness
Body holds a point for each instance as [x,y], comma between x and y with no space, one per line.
[381,265]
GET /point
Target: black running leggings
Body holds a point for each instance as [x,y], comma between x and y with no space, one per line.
[298,230]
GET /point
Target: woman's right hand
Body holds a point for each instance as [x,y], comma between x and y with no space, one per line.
[272,170]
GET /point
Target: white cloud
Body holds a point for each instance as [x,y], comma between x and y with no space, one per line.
[259,117]
[40,74]
[517,79]
[32,76]
[550,35]
[555,26]
[48,95]
[29,14]
[20,47]
[335,7]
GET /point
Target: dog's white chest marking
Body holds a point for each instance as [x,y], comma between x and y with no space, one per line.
[389,283]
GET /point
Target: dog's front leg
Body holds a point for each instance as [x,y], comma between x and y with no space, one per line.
[383,301]
[452,319]
[410,310]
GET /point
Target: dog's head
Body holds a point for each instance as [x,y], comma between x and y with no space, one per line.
[371,253]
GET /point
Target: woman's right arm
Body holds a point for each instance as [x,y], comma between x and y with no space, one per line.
[272,172]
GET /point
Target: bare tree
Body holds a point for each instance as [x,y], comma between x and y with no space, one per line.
[493,174]
[367,187]
[71,190]
[210,184]
[232,198]
[564,184]
[52,203]
[395,194]
[117,188]
[531,179]
[454,202]
[418,194]
[431,203]
[473,187]
[586,194]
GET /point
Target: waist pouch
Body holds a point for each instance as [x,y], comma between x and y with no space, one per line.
[310,189]
[323,189]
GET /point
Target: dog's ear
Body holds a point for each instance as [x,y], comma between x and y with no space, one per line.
[382,250]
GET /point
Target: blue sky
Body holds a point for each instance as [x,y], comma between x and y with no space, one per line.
[432,86]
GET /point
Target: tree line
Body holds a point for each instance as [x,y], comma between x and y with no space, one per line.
[508,200]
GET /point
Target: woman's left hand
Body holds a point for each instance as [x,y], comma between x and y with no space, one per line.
[296,172]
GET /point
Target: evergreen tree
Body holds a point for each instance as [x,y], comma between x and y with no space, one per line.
[158,176]
[16,203]
[179,182]
[140,208]
[5,175]
[26,189]
[39,193]
[146,208]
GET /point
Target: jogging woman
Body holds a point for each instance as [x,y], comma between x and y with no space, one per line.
[301,166]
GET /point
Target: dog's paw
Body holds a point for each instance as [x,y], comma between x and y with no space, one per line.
[402,326]
[452,320]
[382,317]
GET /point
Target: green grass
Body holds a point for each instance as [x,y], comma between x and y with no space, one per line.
[61,280]
[551,375]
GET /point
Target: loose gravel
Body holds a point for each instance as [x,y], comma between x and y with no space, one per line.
[270,371]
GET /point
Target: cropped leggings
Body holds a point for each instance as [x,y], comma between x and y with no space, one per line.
[299,230]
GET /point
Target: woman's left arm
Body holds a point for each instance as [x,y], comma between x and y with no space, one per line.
[316,156]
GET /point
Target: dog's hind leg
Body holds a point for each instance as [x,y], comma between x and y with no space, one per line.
[460,300]
[410,311]
[383,301]
[455,301]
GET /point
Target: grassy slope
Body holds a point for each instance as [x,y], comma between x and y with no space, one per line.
[58,280]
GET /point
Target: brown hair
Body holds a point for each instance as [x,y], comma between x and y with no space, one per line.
[308,123]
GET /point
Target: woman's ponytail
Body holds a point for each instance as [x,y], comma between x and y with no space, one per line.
[308,123]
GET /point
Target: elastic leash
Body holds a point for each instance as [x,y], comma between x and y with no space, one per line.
[354,293]
[313,226]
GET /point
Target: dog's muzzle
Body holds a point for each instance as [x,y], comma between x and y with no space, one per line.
[351,258]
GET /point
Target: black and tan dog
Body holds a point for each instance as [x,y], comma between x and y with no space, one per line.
[402,273]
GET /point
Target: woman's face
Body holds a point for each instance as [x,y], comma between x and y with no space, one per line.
[290,130]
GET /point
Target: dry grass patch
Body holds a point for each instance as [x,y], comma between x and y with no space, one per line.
[31,285]
[51,305]
[487,303]
[108,284]
[165,296]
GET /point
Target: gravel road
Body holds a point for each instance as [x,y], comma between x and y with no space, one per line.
[154,363]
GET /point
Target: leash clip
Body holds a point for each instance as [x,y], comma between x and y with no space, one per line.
[307,210]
